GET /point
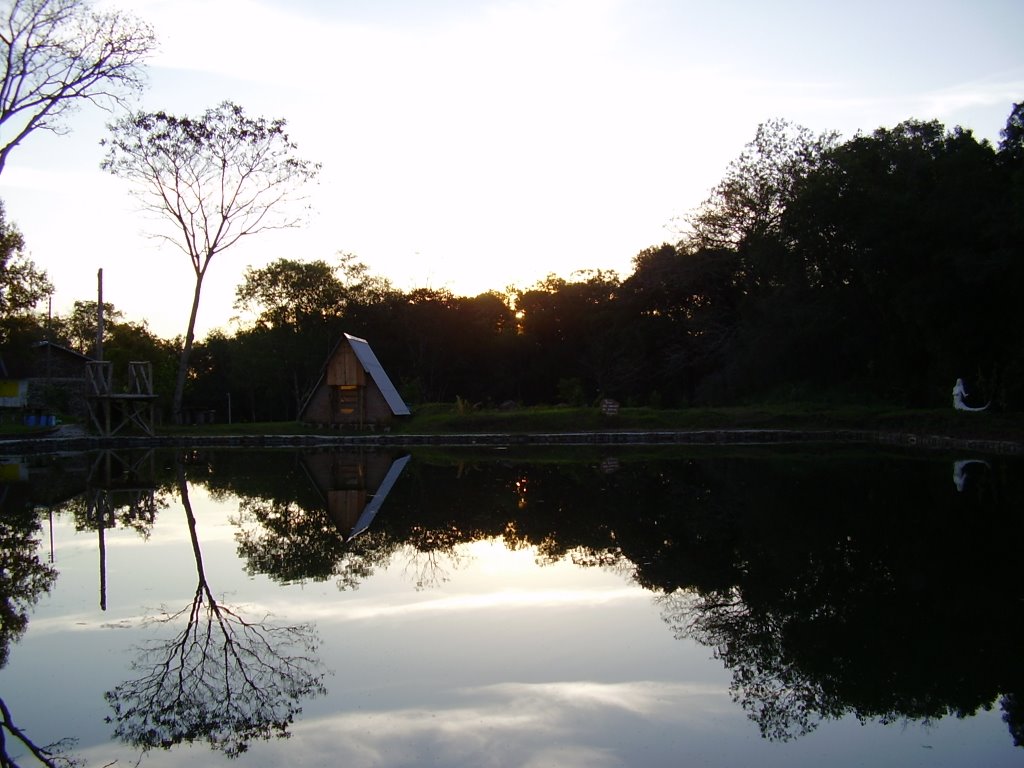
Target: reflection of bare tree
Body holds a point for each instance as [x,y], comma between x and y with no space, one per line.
[51,755]
[221,678]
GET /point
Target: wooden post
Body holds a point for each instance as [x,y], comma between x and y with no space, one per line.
[99,314]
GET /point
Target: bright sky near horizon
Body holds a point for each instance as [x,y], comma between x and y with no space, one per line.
[477,144]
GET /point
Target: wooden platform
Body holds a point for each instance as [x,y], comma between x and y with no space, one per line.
[110,412]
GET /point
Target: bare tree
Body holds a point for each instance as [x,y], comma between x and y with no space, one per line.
[58,54]
[215,179]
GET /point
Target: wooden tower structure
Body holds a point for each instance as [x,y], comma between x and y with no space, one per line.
[111,411]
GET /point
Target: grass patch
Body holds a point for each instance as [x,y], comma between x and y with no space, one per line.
[445,418]
[439,419]
[20,430]
[240,428]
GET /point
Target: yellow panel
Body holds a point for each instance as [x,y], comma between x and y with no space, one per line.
[13,473]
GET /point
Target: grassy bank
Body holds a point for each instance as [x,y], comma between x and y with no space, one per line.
[445,418]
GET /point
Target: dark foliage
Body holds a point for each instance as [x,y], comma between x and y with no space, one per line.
[878,269]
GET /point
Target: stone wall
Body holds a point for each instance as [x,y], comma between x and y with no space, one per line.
[66,396]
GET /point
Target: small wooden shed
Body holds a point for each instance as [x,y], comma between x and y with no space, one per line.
[353,389]
[43,377]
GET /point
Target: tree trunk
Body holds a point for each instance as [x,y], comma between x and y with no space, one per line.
[191,519]
[186,352]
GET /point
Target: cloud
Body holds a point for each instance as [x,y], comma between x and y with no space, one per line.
[649,699]
[357,610]
[571,723]
[1000,93]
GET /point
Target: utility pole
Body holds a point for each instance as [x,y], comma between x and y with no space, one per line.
[99,314]
[49,337]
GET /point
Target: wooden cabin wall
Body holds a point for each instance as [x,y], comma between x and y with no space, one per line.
[345,370]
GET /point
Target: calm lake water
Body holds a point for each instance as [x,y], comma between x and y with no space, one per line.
[725,607]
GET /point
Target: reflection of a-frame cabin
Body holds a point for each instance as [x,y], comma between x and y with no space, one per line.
[353,389]
[353,486]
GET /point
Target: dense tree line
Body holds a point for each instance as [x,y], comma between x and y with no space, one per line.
[880,268]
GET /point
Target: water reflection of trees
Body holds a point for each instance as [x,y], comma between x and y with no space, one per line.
[23,576]
[866,592]
[878,594]
[868,587]
[221,678]
[50,755]
[432,554]
[286,541]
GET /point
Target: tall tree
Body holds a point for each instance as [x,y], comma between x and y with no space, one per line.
[215,179]
[901,234]
[78,329]
[289,292]
[1011,142]
[746,207]
[58,54]
[22,284]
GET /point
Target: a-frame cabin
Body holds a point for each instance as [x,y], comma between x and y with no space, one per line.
[353,389]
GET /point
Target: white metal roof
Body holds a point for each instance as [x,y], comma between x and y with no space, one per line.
[373,367]
[371,509]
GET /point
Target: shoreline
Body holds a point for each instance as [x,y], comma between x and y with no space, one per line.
[702,437]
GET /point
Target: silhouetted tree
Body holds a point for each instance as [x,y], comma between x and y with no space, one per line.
[78,329]
[290,293]
[22,284]
[1011,145]
[60,54]
[215,179]
[897,231]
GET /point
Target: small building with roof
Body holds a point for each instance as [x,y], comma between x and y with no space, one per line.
[353,389]
[43,378]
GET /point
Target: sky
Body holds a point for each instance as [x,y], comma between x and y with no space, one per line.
[472,145]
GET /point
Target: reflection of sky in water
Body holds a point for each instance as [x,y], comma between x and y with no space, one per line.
[499,663]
